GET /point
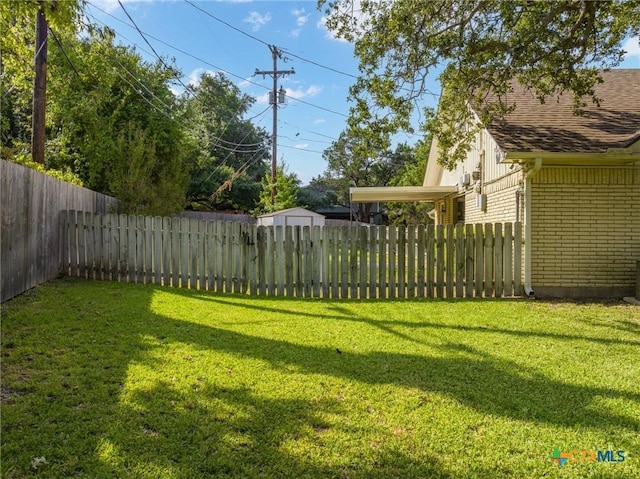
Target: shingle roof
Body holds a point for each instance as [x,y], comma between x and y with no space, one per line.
[552,126]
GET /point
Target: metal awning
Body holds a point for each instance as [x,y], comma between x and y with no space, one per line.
[374,194]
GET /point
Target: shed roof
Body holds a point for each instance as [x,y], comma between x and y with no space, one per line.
[297,211]
[553,127]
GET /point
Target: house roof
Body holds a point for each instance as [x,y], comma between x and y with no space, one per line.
[297,211]
[553,127]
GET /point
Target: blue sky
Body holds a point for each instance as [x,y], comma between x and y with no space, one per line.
[296,27]
[317,108]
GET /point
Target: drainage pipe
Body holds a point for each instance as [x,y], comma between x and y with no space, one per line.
[537,165]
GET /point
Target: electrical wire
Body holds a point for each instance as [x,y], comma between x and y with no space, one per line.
[300,149]
[168,115]
[149,44]
[310,131]
[227,24]
[207,62]
[55,37]
[253,37]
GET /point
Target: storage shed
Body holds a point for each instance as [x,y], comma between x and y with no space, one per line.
[291,217]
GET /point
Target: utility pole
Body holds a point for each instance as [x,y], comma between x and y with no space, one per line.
[275,97]
[39,89]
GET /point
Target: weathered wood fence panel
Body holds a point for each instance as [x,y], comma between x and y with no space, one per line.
[333,261]
[32,207]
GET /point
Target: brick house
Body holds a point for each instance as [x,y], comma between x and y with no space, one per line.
[573,181]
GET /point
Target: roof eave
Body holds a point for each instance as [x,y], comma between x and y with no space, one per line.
[612,157]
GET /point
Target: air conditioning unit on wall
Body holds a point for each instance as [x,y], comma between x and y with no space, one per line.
[465,180]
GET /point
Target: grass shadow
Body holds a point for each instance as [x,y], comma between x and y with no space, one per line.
[72,370]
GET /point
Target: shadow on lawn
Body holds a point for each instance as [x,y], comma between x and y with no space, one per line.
[345,314]
[190,438]
[482,382]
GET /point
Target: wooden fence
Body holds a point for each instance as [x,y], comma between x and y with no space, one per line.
[31,204]
[328,262]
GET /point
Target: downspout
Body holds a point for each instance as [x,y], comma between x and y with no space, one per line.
[537,165]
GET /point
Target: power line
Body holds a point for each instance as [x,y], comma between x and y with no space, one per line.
[55,37]
[168,115]
[300,149]
[150,46]
[320,65]
[253,37]
[227,24]
[243,78]
[319,107]
[305,139]
[310,131]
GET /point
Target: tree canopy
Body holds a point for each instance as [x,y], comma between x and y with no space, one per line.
[351,165]
[229,160]
[114,123]
[478,47]
[287,186]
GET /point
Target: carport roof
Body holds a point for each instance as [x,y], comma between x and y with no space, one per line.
[374,194]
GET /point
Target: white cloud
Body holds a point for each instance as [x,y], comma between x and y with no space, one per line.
[313,90]
[301,18]
[195,75]
[301,21]
[322,25]
[244,83]
[257,20]
[263,99]
[301,146]
[319,121]
[632,47]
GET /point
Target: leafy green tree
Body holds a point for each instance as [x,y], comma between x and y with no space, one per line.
[351,165]
[101,99]
[411,174]
[478,47]
[101,106]
[230,156]
[314,197]
[17,26]
[287,187]
[144,184]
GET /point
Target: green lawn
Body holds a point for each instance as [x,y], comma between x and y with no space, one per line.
[105,379]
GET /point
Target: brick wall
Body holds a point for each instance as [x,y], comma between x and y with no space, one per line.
[501,201]
[585,230]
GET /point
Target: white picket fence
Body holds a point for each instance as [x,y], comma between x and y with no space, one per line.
[482,260]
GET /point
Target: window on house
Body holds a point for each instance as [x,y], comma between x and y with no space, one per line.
[459,213]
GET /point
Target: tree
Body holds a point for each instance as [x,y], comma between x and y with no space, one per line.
[480,47]
[351,164]
[102,107]
[103,100]
[229,160]
[16,64]
[411,174]
[315,196]
[287,186]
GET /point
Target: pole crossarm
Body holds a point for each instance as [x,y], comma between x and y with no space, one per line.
[275,73]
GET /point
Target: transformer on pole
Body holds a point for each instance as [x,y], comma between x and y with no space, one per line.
[275,97]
